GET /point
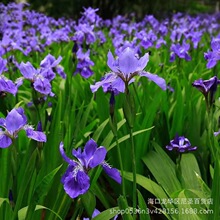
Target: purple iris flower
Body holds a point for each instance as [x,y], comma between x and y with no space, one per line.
[181,51]
[84,63]
[207,87]
[13,123]
[180,144]
[40,83]
[49,64]
[213,56]
[123,71]
[6,85]
[76,180]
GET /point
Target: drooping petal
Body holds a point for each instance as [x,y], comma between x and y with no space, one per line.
[5,141]
[6,85]
[211,63]
[112,172]
[119,85]
[14,121]
[75,185]
[42,85]
[98,157]
[128,62]
[36,135]
[156,79]
[105,83]
[67,159]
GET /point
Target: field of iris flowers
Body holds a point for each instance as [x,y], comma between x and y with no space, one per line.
[109,119]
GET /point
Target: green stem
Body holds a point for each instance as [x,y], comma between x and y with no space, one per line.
[134,170]
[121,166]
[139,101]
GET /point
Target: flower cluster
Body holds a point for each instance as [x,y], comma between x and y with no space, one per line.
[76,180]
[42,77]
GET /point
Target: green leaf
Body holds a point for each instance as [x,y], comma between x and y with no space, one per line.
[142,207]
[22,212]
[163,172]
[89,202]
[43,187]
[148,184]
[30,167]
[107,214]
[102,196]
[190,170]
[2,200]
[41,190]
[126,137]
[124,208]
[99,130]
[215,192]
[190,210]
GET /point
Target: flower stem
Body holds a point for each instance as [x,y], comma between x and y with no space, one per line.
[121,166]
[134,170]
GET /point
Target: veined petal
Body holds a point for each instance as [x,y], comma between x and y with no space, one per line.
[98,157]
[156,79]
[76,185]
[5,141]
[27,70]
[119,85]
[36,135]
[42,85]
[90,148]
[128,62]
[14,121]
[112,172]
[105,82]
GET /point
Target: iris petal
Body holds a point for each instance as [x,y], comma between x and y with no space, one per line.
[98,157]
[156,79]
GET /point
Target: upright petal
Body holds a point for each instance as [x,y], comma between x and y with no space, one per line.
[142,62]
[90,148]
[156,79]
[14,121]
[27,70]
[128,62]
[112,62]
[98,157]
